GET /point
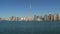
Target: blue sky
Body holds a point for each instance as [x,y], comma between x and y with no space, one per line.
[21,8]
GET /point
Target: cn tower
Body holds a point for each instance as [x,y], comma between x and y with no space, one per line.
[30,13]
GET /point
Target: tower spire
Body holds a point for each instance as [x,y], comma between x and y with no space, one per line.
[30,12]
[30,6]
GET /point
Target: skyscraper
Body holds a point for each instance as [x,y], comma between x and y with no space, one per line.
[49,17]
[52,17]
[45,17]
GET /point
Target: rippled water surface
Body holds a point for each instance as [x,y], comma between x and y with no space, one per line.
[15,27]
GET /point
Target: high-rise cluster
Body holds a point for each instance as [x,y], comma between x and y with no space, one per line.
[49,17]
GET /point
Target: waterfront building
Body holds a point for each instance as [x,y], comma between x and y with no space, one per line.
[37,18]
[45,17]
[59,17]
[30,19]
[10,19]
[7,19]
[3,19]
[49,17]
[24,19]
[41,18]
[17,18]
[0,18]
[13,18]
[56,17]
[52,17]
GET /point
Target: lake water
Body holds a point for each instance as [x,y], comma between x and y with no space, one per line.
[19,27]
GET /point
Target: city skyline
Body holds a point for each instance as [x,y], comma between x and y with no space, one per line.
[21,8]
[49,17]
